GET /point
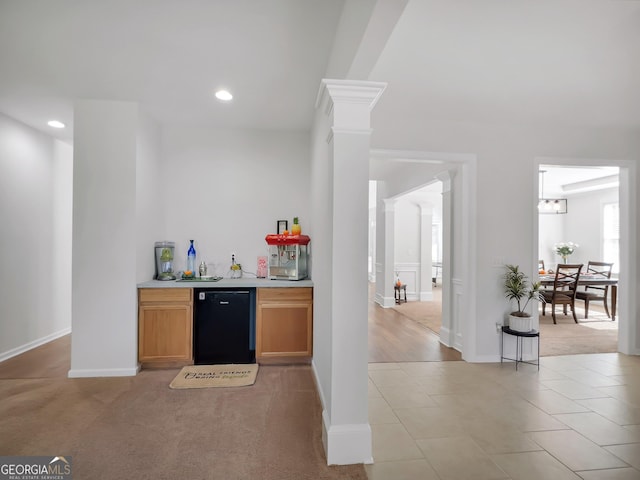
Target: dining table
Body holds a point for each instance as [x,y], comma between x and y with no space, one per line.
[586,280]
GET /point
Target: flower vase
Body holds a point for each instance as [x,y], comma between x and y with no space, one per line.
[564,259]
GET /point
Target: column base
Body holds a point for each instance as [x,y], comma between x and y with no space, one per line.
[346,444]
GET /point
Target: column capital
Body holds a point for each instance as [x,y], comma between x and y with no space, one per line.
[356,96]
[389,204]
[426,208]
[446,178]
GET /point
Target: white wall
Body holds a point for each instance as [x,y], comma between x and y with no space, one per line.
[584,222]
[62,235]
[407,243]
[150,198]
[104,304]
[407,231]
[551,230]
[35,211]
[226,189]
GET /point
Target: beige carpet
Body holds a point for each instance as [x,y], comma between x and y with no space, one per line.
[428,314]
[137,427]
[597,334]
[206,376]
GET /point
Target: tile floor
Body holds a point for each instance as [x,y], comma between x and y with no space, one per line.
[577,418]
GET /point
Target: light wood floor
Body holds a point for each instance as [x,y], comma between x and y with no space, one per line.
[394,337]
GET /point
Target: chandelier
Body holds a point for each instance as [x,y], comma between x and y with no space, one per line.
[550,205]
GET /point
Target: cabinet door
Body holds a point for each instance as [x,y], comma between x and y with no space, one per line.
[284,330]
[164,333]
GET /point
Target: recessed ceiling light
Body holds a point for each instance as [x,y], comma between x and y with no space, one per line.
[224,95]
[55,124]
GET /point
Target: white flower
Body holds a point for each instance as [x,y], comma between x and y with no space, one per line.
[565,248]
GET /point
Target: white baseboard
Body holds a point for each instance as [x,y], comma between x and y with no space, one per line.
[31,345]
[426,296]
[346,444]
[343,444]
[317,382]
[104,372]
[445,334]
[458,342]
[385,302]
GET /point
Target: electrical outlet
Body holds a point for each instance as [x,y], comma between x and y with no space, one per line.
[497,262]
[498,327]
[233,254]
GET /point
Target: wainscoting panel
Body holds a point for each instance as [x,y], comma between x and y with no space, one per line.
[456,323]
[409,274]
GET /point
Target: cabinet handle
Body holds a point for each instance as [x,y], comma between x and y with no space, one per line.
[224,303]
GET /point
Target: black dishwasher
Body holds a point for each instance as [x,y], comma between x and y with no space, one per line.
[224,326]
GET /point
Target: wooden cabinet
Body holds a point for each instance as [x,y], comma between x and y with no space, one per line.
[284,324]
[165,324]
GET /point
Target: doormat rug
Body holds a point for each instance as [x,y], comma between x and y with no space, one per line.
[205,376]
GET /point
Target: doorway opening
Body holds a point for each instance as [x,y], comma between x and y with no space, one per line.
[399,172]
[409,328]
[592,229]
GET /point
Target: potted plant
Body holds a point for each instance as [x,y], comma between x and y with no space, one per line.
[517,287]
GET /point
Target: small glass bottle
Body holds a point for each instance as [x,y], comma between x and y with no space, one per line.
[202,269]
[236,268]
[191,258]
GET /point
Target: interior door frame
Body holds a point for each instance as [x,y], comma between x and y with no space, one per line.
[459,286]
[627,304]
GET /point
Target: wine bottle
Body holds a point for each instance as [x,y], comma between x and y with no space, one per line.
[191,258]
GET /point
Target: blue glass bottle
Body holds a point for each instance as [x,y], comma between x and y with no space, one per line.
[191,258]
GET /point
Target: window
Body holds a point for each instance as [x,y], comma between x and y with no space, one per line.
[436,242]
[611,235]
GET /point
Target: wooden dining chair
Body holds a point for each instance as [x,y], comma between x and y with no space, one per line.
[542,270]
[596,293]
[565,287]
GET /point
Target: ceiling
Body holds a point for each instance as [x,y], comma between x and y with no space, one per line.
[168,55]
[563,181]
[561,62]
[545,62]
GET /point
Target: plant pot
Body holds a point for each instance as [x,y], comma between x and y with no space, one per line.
[520,324]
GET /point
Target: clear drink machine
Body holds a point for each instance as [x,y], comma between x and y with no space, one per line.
[288,257]
[164,260]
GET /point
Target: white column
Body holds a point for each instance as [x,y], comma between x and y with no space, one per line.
[372,243]
[426,267]
[341,351]
[448,330]
[104,297]
[382,241]
[387,297]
